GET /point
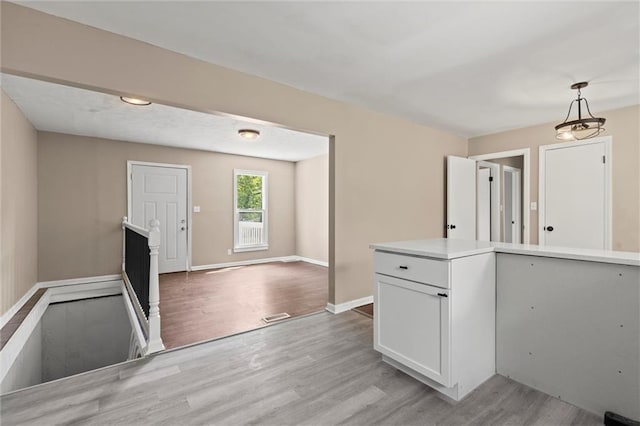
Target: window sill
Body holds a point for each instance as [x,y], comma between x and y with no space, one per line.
[250,248]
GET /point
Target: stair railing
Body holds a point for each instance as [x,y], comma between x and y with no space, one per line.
[140,249]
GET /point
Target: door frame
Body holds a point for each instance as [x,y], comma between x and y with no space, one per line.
[516,173]
[608,167]
[526,173]
[131,163]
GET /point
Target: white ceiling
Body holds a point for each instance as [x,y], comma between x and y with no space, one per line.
[472,68]
[63,109]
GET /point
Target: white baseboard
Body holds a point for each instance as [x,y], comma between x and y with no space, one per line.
[314,261]
[347,306]
[258,261]
[57,291]
[16,306]
[86,280]
[84,290]
[244,263]
[49,284]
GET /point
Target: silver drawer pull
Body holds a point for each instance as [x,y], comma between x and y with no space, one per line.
[403,267]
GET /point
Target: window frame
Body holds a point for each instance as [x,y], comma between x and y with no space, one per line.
[237,248]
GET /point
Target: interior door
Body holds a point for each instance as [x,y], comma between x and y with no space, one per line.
[484,204]
[159,192]
[461,198]
[575,197]
[512,200]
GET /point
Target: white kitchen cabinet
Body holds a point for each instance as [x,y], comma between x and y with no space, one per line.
[413,326]
[567,319]
[435,319]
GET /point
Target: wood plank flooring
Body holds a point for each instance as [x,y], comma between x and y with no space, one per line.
[316,370]
[203,305]
[366,310]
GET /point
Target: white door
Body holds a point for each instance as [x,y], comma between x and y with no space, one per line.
[484,204]
[461,198]
[512,210]
[160,192]
[574,182]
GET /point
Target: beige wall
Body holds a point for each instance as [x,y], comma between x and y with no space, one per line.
[312,208]
[389,172]
[83,196]
[19,204]
[623,125]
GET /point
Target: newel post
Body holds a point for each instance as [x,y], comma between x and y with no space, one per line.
[155,340]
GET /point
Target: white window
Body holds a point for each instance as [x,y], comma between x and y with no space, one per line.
[250,215]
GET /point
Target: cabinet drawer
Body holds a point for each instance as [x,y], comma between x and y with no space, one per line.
[419,269]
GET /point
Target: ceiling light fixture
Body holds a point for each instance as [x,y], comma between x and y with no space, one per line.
[134,101]
[582,128]
[249,134]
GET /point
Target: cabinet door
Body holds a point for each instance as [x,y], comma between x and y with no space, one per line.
[412,326]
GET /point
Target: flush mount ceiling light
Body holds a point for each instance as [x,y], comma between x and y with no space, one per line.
[249,134]
[134,101]
[582,128]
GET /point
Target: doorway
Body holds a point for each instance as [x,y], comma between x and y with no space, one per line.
[575,194]
[161,191]
[466,198]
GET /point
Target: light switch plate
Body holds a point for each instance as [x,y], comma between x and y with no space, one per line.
[196,209]
[534,205]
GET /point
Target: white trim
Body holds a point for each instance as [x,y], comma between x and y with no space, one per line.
[137,309]
[131,163]
[54,294]
[73,281]
[608,169]
[347,306]
[265,211]
[16,306]
[137,330]
[250,248]
[313,261]
[245,263]
[13,347]
[140,230]
[84,291]
[526,174]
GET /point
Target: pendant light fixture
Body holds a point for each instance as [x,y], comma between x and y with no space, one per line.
[584,127]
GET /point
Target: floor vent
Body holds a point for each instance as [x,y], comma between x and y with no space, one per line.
[276,317]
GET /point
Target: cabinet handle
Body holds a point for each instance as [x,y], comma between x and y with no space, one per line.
[403,267]
[443,295]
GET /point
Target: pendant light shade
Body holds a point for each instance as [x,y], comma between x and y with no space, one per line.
[582,127]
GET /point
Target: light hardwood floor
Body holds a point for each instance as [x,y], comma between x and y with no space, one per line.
[316,370]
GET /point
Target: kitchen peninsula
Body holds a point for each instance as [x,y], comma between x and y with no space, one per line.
[452,313]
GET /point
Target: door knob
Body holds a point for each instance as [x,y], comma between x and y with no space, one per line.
[549,228]
[453,227]
[182,228]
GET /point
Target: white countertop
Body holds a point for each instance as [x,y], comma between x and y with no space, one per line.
[443,248]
